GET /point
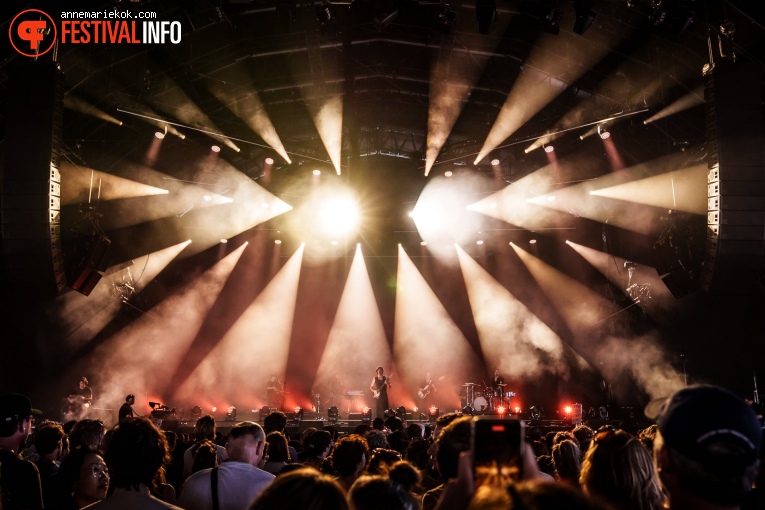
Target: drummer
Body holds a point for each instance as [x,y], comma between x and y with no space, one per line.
[497,385]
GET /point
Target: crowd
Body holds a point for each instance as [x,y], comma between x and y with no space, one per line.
[703,453]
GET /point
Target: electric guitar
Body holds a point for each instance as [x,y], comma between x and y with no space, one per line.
[376,393]
[424,392]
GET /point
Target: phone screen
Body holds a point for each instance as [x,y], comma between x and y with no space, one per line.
[497,450]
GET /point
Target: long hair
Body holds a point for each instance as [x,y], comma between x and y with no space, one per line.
[619,469]
[567,461]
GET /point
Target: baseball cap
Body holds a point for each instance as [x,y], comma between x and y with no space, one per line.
[695,419]
[15,407]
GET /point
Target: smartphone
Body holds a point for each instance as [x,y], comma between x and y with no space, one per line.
[497,446]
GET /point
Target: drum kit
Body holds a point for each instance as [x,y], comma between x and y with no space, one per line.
[481,399]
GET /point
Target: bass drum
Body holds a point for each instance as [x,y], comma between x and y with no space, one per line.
[480,404]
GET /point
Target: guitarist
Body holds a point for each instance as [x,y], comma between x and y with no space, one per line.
[426,387]
[379,386]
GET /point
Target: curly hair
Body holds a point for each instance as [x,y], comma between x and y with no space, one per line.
[348,452]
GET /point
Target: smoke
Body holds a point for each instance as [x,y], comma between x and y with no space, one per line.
[512,338]
[641,360]
[328,119]
[543,78]
[85,185]
[426,339]
[81,318]
[142,357]
[253,349]
[357,317]
[250,109]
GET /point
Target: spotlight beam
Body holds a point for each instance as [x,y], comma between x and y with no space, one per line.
[213,133]
[512,337]
[536,137]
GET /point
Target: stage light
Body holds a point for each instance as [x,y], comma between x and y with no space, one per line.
[231,413]
[224,241]
[603,132]
[532,241]
[415,409]
[549,149]
[366,414]
[214,409]
[215,148]
[517,410]
[385,12]
[277,241]
[494,162]
[501,410]
[297,415]
[159,134]
[423,243]
[207,198]
[479,242]
[433,413]
[448,173]
[551,22]
[196,412]
[269,161]
[264,411]
[333,414]
[339,215]
[317,172]
[585,16]
[485,13]
[567,410]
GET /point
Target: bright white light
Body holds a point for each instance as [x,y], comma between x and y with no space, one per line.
[214,409]
[448,173]
[278,241]
[339,215]
[317,172]
[549,148]
[604,134]
[207,198]
[551,198]
[532,241]
[159,134]
[494,162]
[334,243]
[423,243]
[215,148]
[269,161]
[493,205]
[479,242]
[224,241]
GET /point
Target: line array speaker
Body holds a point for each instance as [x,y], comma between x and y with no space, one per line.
[735,243]
[31,201]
